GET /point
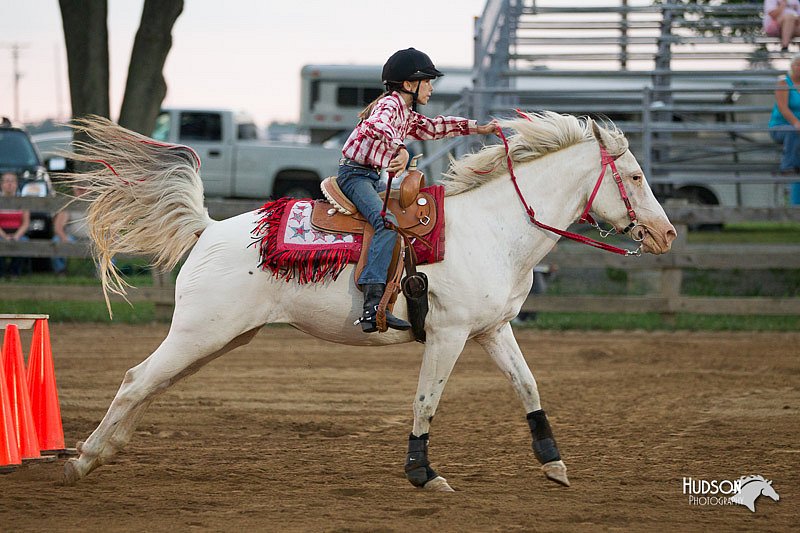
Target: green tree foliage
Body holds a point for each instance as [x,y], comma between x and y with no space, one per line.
[723,19]
[741,18]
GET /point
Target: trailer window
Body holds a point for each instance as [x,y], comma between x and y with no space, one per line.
[356,96]
[314,93]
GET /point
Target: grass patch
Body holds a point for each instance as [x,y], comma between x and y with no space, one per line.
[144,312]
[654,322]
[749,232]
[83,272]
[141,313]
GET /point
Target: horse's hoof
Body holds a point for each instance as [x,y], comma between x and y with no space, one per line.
[556,471]
[438,484]
[71,474]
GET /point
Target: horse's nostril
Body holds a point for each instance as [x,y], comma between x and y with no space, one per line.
[671,234]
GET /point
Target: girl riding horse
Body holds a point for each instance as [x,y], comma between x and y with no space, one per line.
[376,143]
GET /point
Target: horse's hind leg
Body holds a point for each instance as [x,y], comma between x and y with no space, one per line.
[177,357]
[504,350]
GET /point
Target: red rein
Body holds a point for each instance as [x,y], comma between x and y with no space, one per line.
[606,160]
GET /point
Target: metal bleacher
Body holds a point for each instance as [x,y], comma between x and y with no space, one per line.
[691,85]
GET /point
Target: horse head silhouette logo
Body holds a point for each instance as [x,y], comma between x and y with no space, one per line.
[751,487]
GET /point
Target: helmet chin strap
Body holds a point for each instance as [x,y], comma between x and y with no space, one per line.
[414,95]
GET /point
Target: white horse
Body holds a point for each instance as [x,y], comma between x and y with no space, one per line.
[148,199]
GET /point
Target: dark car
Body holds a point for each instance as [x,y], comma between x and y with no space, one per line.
[18,155]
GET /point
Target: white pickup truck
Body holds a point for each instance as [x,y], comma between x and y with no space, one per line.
[235,162]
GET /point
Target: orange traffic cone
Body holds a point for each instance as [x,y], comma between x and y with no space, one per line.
[42,388]
[9,448]
[20,401]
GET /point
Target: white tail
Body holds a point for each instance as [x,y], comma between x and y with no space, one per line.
[146,198]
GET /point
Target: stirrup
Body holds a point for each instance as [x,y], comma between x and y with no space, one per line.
[372,320]
[369,322]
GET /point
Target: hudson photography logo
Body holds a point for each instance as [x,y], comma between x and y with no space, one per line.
[743,491]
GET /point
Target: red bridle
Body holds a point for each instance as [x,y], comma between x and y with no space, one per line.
[605,161]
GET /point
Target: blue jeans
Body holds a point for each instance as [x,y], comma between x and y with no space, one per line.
[360,185]
[60,263]
[790,140]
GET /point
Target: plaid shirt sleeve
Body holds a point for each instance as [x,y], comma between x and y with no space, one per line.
[424,128]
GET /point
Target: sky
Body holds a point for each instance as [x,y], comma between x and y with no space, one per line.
[241,54]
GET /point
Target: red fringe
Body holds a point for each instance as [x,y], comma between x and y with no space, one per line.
[307,266]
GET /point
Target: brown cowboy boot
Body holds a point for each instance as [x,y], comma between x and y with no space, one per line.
[373,292]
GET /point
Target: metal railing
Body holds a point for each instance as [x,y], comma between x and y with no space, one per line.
[655,104]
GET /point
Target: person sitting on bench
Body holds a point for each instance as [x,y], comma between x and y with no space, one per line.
[782,19]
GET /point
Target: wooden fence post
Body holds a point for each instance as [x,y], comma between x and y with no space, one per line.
[672,277]
[164,305]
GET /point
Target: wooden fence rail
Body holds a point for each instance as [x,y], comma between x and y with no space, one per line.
[666,299]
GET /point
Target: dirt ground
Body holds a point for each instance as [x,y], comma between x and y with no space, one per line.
[294,434]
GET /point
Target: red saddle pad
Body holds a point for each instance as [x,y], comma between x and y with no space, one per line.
[291,248]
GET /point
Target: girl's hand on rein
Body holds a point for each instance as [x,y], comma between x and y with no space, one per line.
[398,164]
[487,129]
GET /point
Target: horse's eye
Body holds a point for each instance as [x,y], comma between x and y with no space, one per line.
[636,177]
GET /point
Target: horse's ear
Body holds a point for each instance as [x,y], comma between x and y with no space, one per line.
[614,144]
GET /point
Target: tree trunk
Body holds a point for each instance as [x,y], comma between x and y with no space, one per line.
[86,39]
[146,87]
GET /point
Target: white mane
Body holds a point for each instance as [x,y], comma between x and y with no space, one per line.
[536,135]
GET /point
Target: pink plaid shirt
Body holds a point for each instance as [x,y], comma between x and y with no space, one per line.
[376,140]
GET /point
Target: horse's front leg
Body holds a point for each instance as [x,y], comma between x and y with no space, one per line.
[442,349]
[504,350]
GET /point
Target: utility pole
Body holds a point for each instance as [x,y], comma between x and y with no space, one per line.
[15,48]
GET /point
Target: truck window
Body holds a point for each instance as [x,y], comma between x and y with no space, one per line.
[16,150]
[198,126]
[161,129]
[247,131]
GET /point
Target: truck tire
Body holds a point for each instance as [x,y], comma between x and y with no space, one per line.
[306,187]
[699,196]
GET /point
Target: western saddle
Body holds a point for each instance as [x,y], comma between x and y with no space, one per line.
[415,212]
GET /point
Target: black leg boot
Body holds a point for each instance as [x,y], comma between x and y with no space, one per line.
[372,297]
[373,293]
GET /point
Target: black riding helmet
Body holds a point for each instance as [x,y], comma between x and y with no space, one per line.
[408,65]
